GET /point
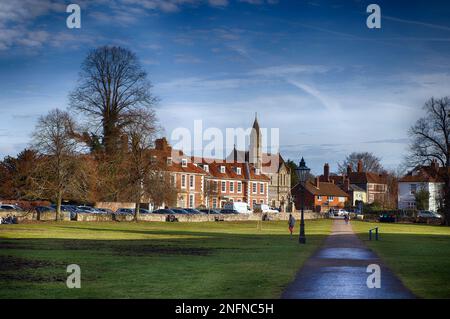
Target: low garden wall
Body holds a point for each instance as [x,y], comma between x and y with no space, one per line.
[33,215]
[87,217]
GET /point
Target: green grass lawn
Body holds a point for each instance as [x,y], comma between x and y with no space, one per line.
[418,254]
[153,260]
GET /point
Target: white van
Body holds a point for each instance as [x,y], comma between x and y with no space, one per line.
[240,207]
[265,208]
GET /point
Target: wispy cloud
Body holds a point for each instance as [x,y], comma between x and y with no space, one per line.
[418,23]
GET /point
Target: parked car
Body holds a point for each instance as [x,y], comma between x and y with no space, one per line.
[424,215]
[88,209]
[179,211]
[210,211]
[264,208]
[387,218]
[144,211]
[192,210]
[10,207]
[125,211]
[240,207]
[163,211]
[106,210]
[41,209]
[229,211]
[335,212]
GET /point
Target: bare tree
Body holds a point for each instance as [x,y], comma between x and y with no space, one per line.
[57,172]
[430,140]
[112,84]
[371,163]
[140,129]
[160,188]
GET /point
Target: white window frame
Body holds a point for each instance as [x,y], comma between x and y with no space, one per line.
[319,197]
[239,187]
[261,188]
[254,188]
[223,187]
[183,162]
[330,198]
[222,169]
[206,168]
[238,171]
[191,181]
[231,186]
[183,181]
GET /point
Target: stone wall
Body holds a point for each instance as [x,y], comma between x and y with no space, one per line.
[86,217]
[33,215]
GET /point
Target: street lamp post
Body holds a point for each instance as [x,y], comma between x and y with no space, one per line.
[302,172]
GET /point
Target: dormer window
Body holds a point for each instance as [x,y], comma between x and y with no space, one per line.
[183,162]
[206,168]
[222,169]
[257,171]
[238,171]
[169,161]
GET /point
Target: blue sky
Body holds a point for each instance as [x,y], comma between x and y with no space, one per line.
[310,68]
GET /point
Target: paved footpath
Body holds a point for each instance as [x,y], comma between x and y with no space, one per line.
[338,271]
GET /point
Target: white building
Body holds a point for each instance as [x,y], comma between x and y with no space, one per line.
[421,178]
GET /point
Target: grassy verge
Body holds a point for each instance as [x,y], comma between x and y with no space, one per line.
[153,260]
[418,254]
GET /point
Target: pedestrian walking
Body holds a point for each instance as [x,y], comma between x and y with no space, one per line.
[291,223]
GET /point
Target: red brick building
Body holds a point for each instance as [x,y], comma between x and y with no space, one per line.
[320,196]
[211,182]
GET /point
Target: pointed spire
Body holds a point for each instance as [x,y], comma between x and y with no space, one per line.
[255,123]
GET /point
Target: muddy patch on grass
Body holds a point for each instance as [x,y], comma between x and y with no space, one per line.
[20,269]
[8,263]
[161,250]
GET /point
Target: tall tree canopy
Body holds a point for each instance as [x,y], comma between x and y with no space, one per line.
[112,84]
[430,135]
[430,140]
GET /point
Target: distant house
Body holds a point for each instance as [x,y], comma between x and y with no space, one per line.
[426,178]
[320,196]
[374,184]
[355,193]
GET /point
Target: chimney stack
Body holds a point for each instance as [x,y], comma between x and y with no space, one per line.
[346,185]
[317,184]
[360,166]
[326,172]
[349,169]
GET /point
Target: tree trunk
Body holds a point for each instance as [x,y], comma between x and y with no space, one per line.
[136,211]
[58,206]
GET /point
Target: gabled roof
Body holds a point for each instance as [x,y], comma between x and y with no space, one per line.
[425,174]
[324,189]
[366,177]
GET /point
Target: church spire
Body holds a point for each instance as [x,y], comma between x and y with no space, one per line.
[255,123]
